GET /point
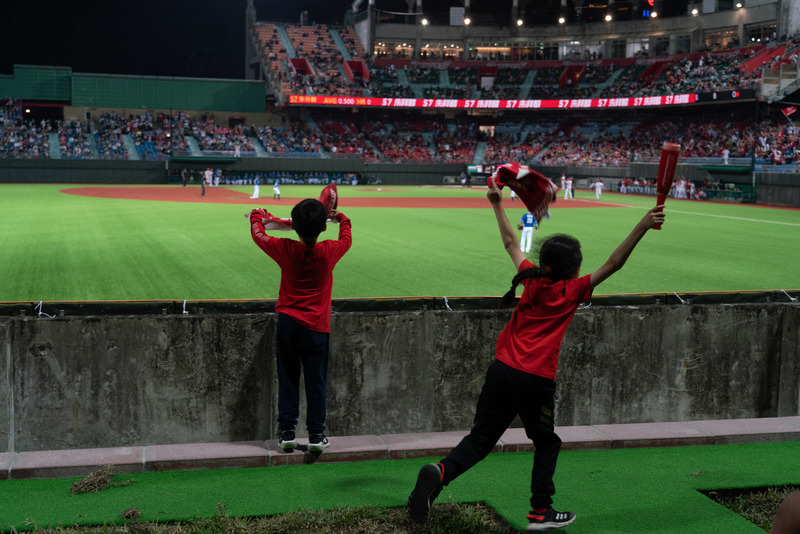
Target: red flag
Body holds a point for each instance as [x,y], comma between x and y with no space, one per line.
[788,111]
[533,189]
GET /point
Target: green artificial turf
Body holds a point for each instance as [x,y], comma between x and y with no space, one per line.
[58,247]
[611,491]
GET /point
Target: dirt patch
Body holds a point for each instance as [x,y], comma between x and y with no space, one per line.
[223,195]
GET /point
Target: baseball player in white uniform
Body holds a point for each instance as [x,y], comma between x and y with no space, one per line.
[598,189]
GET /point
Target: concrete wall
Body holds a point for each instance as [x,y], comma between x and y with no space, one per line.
[77,381]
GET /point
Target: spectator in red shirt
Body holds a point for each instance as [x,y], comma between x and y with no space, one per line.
[521,380]
[304,314]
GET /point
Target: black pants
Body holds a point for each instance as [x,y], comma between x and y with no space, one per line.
[299,348]
[507,392]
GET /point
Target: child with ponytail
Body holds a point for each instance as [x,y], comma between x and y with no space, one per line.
[521,379]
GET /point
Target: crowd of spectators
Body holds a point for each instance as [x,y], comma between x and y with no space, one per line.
[215,138]
[21,138]
[713,71]
[385,82]
[109,132]
[297,137]
[390,138]
[73,142]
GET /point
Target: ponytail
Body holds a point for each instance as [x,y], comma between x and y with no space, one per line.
[509,298]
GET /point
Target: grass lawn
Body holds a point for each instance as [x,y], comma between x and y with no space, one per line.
[654,490]
[67,247]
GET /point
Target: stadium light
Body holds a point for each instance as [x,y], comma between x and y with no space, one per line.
[467,21]
[738,5]
[519,22]
[653,15]
[608,18]
[561,20]
[424,22]
[695,12]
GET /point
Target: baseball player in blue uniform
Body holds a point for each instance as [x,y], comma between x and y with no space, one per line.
[529,225]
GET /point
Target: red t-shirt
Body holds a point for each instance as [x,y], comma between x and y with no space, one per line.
[306,273]
[532,338]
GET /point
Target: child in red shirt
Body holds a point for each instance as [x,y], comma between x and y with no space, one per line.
[521,380]
[304,314]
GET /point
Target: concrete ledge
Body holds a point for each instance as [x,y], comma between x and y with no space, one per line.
[6,461]
[422,445]
[77,462]
[80,462]
[575,438]
[750,430]
[205,456]
[654,435]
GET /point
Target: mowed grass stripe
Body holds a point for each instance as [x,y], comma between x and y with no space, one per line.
[65,247]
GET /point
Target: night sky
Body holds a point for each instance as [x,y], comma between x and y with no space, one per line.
[201,38]
[198,38]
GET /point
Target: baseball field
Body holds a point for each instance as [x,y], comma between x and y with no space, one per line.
[81,242]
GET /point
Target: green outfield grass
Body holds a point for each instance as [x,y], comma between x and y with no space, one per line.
[55,246]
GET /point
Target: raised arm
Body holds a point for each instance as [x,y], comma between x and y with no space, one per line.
[507,233]
[618,258]
[257,228]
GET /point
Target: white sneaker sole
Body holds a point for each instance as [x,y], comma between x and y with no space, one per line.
[288,445]
[544,527]
[319,447]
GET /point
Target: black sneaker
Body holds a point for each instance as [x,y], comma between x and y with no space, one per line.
[317,442]
[549,520]
[287,440]
[429,484]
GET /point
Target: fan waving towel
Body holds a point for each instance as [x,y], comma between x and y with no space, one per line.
[329,198]
[533,189]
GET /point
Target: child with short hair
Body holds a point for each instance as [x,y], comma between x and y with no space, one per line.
[521,379]
[304,314]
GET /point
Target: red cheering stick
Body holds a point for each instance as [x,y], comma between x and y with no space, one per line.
[666,173]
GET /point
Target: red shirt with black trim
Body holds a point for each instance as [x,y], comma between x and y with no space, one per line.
[306,273]
[531,340]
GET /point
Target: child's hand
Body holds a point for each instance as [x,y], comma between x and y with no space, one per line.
[494,194]
[653,217]
[258,214]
